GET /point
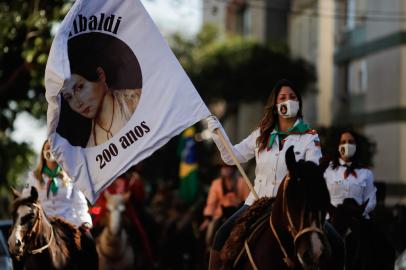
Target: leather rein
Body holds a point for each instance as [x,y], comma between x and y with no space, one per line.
[34,228]
[294,232]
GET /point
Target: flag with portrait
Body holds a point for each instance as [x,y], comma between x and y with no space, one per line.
[115,92]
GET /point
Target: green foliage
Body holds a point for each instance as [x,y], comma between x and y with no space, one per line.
[14,160]
[25,39]
[238,69]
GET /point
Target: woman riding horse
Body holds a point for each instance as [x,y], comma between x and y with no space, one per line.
[287,231]
[347,176]
[57,194]
[226,194]
[350,180]
[282,126]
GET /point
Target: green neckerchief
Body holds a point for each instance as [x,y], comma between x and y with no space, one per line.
[300,128]
[53,184]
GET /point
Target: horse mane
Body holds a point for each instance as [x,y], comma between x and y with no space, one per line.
[21,201]
[68,233]
[242,229]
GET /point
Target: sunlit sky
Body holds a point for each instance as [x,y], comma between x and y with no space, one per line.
[176,15]
[171,16]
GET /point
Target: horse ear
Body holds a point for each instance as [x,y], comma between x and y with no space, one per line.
[107,194]
[15,193]
[34,194]
[291,161]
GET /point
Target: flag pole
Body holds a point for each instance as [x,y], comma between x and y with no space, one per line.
[234,158]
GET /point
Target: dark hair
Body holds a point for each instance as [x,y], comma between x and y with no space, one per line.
[89,51]
[356,159]
[73,126]
[86,53]
[269,120]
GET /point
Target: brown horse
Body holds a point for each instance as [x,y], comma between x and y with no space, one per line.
[114,248]
[291,236]
[39,242]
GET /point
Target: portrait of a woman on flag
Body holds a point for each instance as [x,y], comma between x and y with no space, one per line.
[116,92]
[103,91]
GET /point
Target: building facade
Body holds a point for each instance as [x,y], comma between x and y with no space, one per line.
[311,37]
[262,20]
[370,86]
[358,49]
[249,18]
[292,22]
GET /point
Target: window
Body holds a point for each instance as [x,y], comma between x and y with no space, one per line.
[351,14]
[357,77]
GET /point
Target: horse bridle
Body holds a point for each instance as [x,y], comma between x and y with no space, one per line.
[292,228]
[34,227]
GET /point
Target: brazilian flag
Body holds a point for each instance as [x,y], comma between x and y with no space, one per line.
[188,166]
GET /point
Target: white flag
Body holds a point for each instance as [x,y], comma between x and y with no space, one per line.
[116,92]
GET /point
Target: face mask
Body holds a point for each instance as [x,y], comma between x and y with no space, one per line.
[347,150]
[48,155]
[288,109]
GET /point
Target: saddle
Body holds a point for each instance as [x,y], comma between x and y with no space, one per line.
[246,229]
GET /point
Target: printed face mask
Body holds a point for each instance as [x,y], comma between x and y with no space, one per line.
[288,109]
[347,150]
[48,155]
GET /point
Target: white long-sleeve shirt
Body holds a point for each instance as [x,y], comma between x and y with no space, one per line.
[68,203]
[360,187]
[270,164]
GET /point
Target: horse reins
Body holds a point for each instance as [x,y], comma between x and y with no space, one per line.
[293,231]
[36,224]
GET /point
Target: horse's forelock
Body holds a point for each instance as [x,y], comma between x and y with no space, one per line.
[319,196]
[17,203]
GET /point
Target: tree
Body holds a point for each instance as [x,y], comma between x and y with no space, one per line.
[26,36]
[237,69]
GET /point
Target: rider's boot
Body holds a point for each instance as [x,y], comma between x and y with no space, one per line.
[214,261]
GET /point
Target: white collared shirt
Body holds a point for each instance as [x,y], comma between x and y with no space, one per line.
[360,187]
[270,164]
[68,203]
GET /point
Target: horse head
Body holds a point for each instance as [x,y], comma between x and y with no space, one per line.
[28,218]
[304,200]
[346,215]
[116,206]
